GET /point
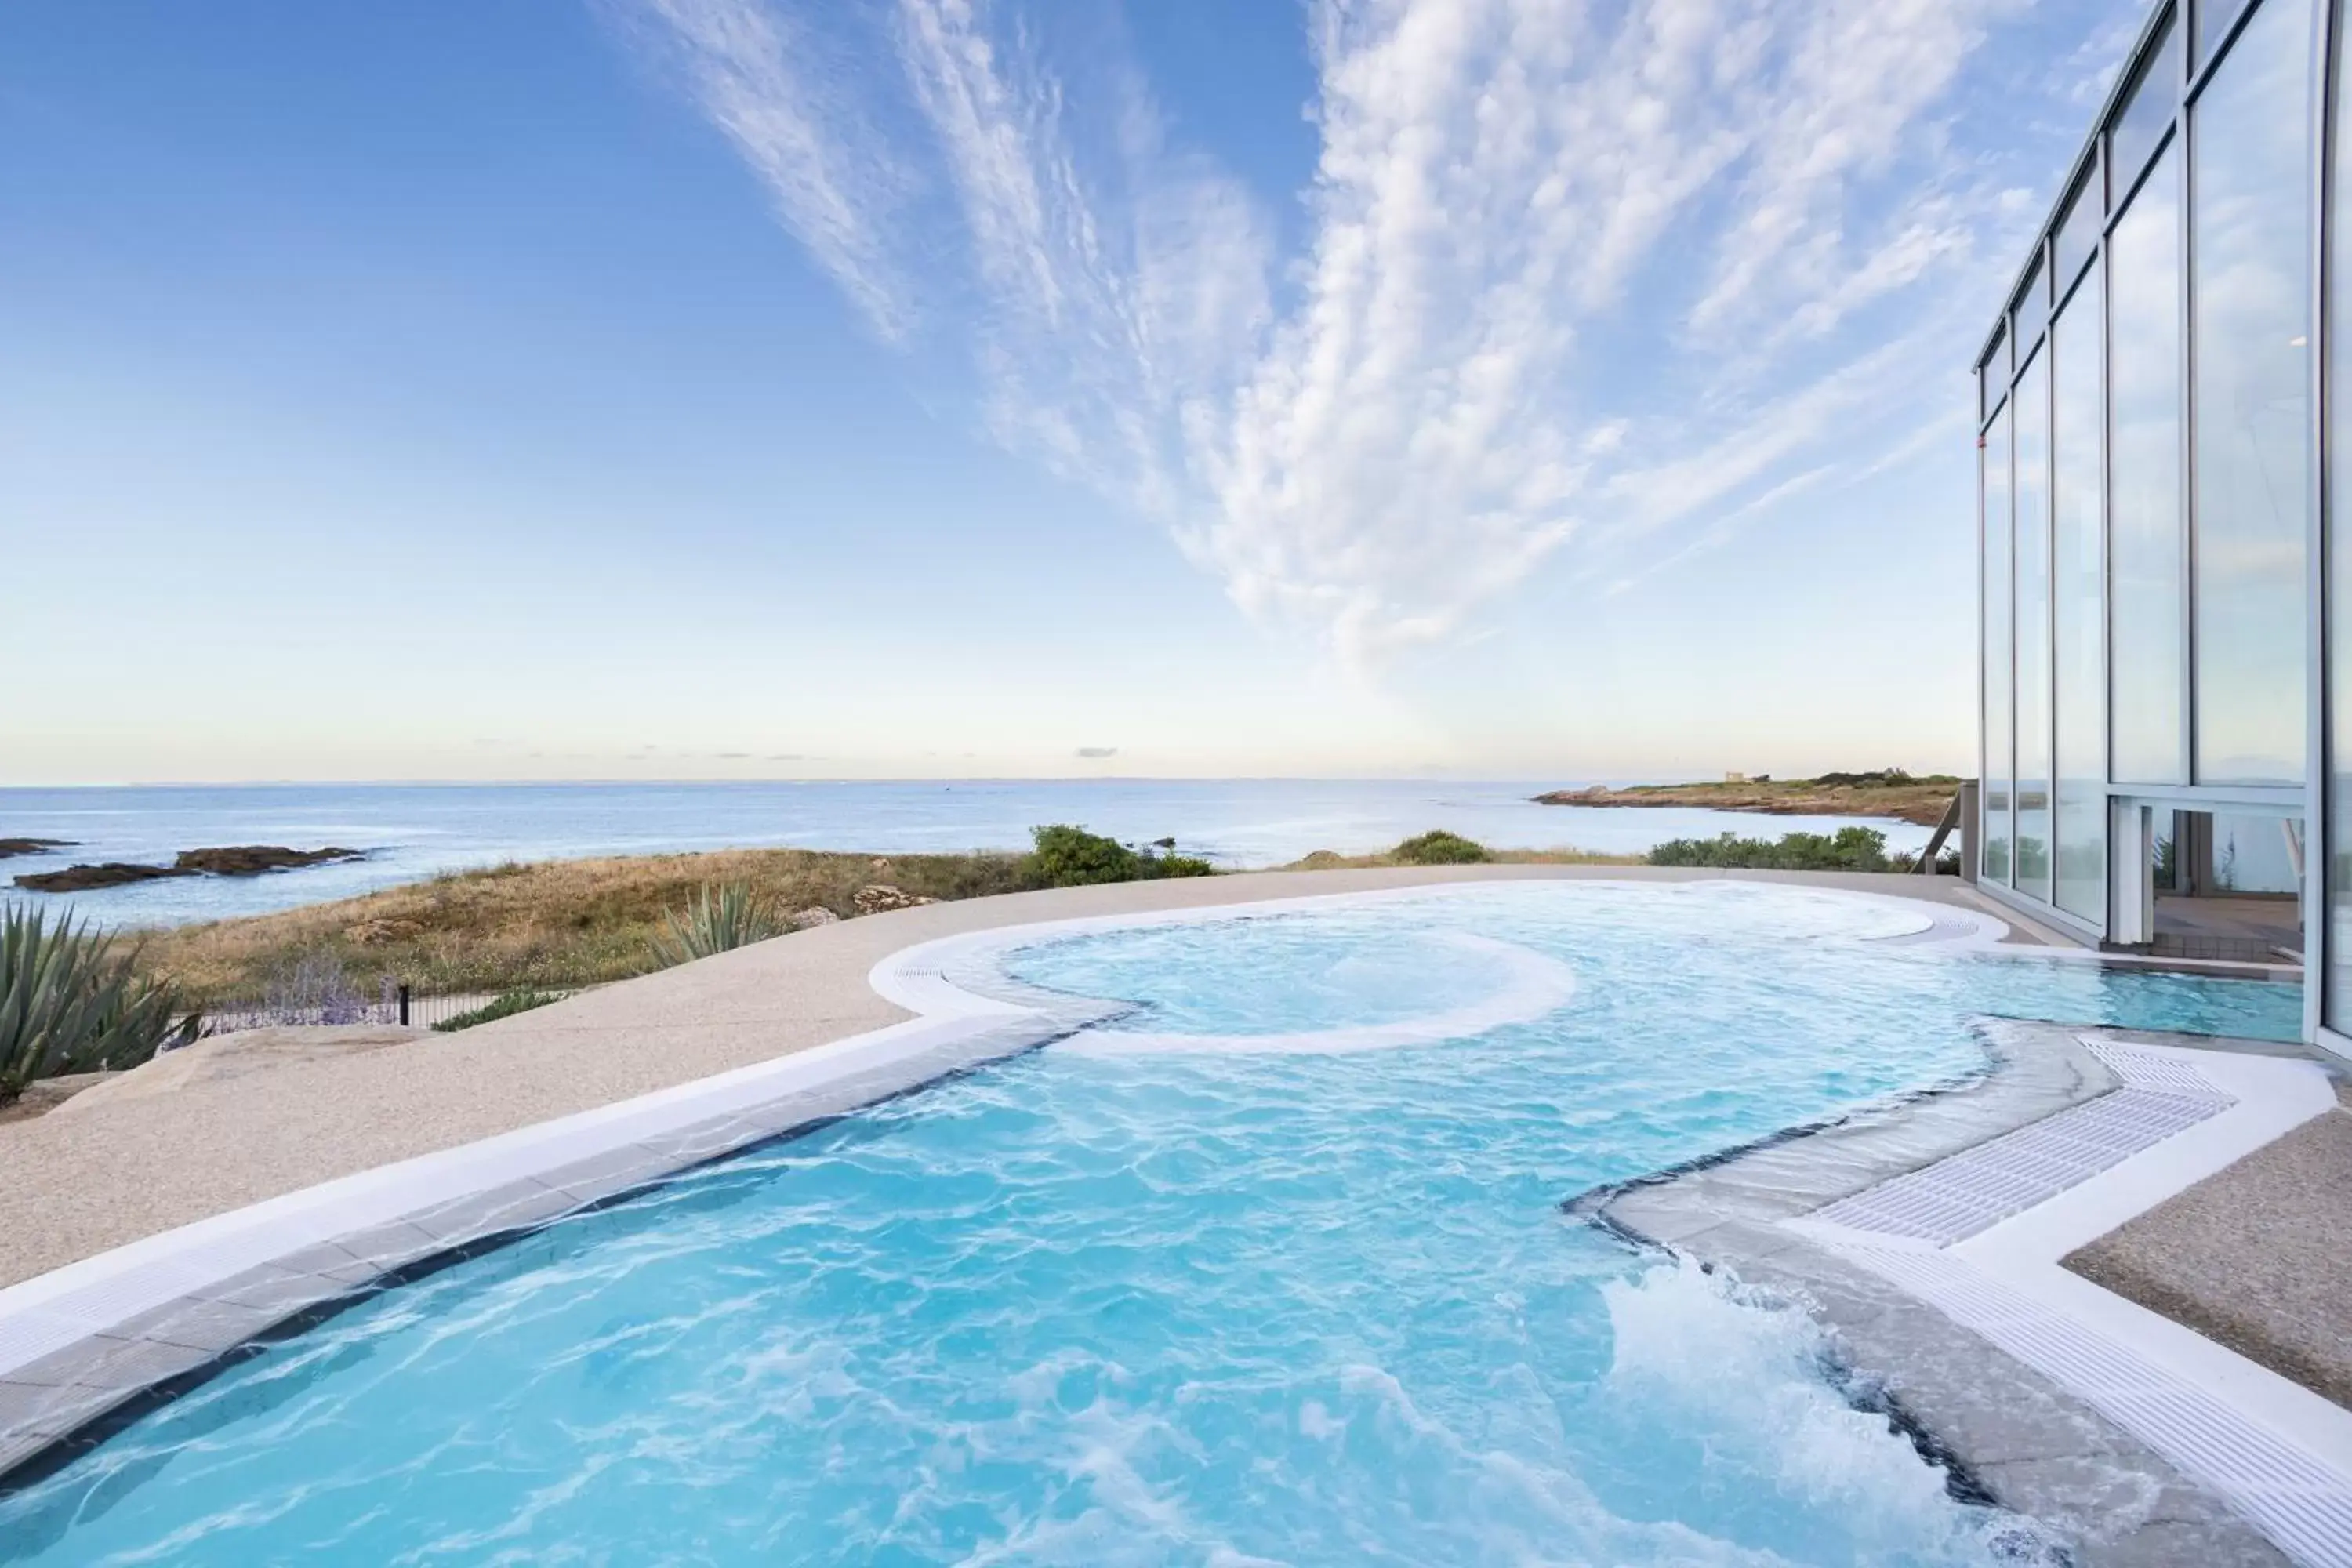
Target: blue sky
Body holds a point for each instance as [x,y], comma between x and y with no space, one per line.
[735,388]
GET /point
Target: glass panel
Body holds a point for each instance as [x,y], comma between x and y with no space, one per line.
[2249,230]
[2031,309]
[2076,607]
[2032,456]
[2212,21]
[2148,542]
[1992,377]
[1993,798]
[2147,109]
[2078,232]
[2254,855]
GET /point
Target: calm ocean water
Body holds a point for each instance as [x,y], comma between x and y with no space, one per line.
[411,831]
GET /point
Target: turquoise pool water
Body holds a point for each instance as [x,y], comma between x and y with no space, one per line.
[1215,1308]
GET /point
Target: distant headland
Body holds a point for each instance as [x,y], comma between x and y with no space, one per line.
[1919,799]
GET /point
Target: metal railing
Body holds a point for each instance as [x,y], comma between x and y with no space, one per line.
[397,1004]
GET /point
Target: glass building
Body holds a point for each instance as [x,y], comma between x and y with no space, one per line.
[2165,530]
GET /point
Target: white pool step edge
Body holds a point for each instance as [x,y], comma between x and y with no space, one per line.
[2278,1453]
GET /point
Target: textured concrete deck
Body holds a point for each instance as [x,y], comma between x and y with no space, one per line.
[73,1186]
[2253,1257]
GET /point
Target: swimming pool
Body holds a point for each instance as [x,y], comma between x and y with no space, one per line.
[1200,1285]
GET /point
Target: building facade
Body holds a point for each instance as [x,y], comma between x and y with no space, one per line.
[2166,613]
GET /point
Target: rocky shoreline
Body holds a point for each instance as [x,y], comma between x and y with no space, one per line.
[228,861]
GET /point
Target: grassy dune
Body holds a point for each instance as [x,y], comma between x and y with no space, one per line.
[553,923]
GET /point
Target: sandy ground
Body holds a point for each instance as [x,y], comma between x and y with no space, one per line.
[128,1166]
[2252,1256]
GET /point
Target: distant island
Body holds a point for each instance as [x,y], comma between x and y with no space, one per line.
[1921,798]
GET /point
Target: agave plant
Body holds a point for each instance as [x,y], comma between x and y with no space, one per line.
[714,920]
[69,1002]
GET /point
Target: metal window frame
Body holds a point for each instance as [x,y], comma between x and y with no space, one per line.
[2319,815]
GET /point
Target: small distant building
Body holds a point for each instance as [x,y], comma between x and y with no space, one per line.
[2164,527]
[1735,778]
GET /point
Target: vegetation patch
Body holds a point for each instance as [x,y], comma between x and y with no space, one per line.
[1847,849]
[1439,848]
[1067,857]
[73,1001]
[717,919]
[505,1005]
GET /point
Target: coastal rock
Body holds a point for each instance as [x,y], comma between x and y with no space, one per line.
[878,898]
[9,846]
[814,915]
[108,874]
[252,860]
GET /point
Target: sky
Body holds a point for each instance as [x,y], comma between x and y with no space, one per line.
[908,388]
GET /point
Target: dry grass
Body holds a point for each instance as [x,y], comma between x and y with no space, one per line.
[1331,860]
[561,923]
[554,923]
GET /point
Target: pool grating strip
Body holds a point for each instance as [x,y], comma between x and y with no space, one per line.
[2301,1502]
[1973,1190]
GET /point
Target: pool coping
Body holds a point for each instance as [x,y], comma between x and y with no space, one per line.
[1867,1223]
[83,1346]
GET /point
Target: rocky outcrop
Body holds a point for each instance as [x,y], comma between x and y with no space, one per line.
[814,915]
[81,878]
[253,859]
[11,846]
[878,898]
[233,860]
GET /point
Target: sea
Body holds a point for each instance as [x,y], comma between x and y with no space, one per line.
[409,831]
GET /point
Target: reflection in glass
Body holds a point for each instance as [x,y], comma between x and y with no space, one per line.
[2033,309]
[2147,110]
[1992,379]
[2030,453]
[2212,21]
[2251,320]
[2076,608]
[2148,544]
[2078,231]
[1994,795]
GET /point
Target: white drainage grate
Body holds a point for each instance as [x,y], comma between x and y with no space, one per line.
[2290,1476]
[2302,1505]
[1978,1188]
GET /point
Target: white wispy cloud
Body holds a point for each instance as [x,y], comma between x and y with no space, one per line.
[1573,274]
[760,79]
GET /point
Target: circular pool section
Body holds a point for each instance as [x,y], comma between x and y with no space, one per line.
[1205,1306]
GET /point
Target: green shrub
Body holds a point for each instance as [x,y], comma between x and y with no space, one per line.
[504,1005]
[69,1003]
[1848,850]
[715,921]
[1439,849]
[1067,857]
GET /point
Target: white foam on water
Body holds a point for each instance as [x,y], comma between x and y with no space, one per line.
[1741,1374]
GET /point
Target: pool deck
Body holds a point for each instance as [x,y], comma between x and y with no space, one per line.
[143,1240]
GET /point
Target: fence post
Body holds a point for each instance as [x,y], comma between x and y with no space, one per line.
[404,1004]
